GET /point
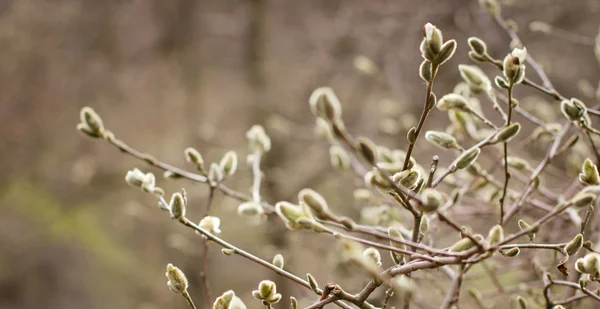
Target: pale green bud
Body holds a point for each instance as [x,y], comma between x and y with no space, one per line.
[315,202]
[373,255]
[501,82]
[478,46]
[210,224]
[518,164]
[447,52]
[250,209]
[325,104]
[513,67]
[313,283]
[512,252]
[91,123]
[495,235]
[462,245]
[465,159]
[193,156]
[407,178]
[177,206]
[278,261]
[453,101]
[145,181]
[525,226]
[177,282]
[507,133]
[477,80]
[367,149]
[425,71]
[393,232]
[583,199]
[589,173]
[574,245]
[267,292]
[229,163]
[258,139]
[441,139]
[339,157]
[215,174]
[432,200]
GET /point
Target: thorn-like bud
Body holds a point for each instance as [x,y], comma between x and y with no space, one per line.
[507,133]
[495,235]
[177,206]
[478,46]
[215,174]
[574,245]
[432,200]
[583,199]
[136,178]
[193,156]
[210,224]
[524,226]
[372,255]
[589,173]
[229,163]
[339,157]
[278,261]
[250,209]
[465,159]
[177,282]
[367,149]
[325,104]
[267,292]
[441,139]
[512,252]
[315,202]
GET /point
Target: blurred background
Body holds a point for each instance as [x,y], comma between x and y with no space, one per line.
[166,75]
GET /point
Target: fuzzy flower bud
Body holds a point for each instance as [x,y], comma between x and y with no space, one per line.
[513,65]
[325,104]
[250,209]
[215,174]
[339,157]
[367,149]
[441,139]
[432,200]
[477,46]
[373,255]
[583,199]
[177,281]
[258,140]
[477,80]
[315,202]
[495,235]
[507,133]
[136,178]
[91,123]
[278,261]
[193,156]
[453,101]
[589,173]
[177,206]
[574,245]
[229,163]
[210,224]
[465,159]
[267,292]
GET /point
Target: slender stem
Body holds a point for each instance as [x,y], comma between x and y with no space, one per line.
[424,113]
[257,176]
[189,300]
[204,272]
[505,147]
[454,290]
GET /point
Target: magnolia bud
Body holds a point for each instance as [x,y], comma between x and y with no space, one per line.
[583,199]
[425,71]
[91,123]
[258,139]
[424,226]
[137,178]
[512,252]
[501,82]
[507,133]
[393,232]
[447,52]
[215,174]
[267,292]
[250,209]
[229,163]
[339,157]
[210,224]
[193,156]
[411,136]
[372,255]
[477,46]
[462,245]
[278,261]
[525,226]
[465,159]
[177,206]
[407,178]
[367,149]
[315,202]
[432,200]
[432,42]
[441,139]
[496,235]
[177,281]
[574,245]
[325,104]
[453,101]
[477,80]
[312,282]
[589,173]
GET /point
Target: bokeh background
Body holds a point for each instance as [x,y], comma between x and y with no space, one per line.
[165,75]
